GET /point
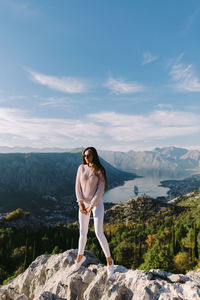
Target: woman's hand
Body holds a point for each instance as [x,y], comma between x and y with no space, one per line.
[88,209]
[83,209]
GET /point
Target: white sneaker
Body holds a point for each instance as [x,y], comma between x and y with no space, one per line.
[110,269]
[77,265]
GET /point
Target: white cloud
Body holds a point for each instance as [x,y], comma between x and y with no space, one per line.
[148,58]
[69,85]
[156,125]
[193,147]
[164,105]
[104,129]
[184,78]
[58,102]
[122,87]
[19,128]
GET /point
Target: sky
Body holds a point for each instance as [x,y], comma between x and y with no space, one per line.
[116,75]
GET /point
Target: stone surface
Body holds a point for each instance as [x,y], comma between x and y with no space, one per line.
[49,277]
[195,275]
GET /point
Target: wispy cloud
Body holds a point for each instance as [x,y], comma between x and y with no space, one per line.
[184,78]
[157,125]
[69,85]
[57,102]
[122,87]
[148,58]
[189,22]
[19,127]
[164,105]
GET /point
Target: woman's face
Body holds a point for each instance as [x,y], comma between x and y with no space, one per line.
[88,156]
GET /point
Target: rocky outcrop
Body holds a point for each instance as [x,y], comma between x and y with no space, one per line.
[49,277]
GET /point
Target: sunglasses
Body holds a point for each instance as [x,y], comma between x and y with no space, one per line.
[87,155]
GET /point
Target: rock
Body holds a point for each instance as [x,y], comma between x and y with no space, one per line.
[159,273]
[49,277]
[194,275]
[178,278]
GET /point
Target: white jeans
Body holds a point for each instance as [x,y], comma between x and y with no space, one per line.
[98,215]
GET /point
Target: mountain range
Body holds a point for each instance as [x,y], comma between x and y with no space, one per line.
[44,183]
[171,162]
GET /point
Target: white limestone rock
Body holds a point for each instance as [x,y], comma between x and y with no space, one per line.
[49,277]
[195,275]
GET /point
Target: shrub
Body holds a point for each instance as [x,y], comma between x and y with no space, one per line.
[182,262]
[14,215]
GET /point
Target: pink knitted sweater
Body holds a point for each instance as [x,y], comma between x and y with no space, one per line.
[89,187]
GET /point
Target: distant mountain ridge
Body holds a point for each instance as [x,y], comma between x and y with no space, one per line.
[45,182]
[6,149]
[163,162]
[168,161]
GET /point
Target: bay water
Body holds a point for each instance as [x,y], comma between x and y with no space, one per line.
[147,185]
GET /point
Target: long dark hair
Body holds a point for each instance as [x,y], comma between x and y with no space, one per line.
[96,162]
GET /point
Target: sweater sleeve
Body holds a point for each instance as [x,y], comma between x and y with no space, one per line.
[78,189]
[99,191]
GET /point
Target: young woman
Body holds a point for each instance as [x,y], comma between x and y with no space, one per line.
[90,185]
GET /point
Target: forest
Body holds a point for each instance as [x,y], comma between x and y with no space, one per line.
[171,243]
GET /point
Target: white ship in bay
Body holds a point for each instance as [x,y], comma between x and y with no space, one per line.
[136,190]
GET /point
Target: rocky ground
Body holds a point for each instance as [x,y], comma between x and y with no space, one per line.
[49,277]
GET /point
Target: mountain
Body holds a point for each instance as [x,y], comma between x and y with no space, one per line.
[5,149]
[163,162]
[50,277]
[44,183]
[171,162]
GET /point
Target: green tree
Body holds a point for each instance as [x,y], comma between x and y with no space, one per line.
[123,253]
[182,262]
[157,257]
[3,274]
[56,250]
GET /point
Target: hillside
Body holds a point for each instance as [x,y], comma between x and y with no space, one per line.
[182,186]
[141,209]
[141,228]
[143,233]
[44,183]
[144,209]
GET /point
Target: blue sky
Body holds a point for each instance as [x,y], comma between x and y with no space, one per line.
[113,74]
